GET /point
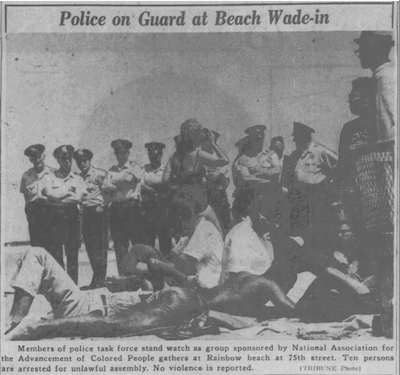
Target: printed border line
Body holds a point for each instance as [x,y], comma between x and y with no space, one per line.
[191,5]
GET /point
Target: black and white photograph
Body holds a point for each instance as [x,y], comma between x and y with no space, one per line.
[220,176]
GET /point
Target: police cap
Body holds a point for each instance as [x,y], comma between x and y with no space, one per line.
[64,149]
[255,129]
[83,153]
[121,144]
[299,128]
[155,146]
[242,142]
[34,150]
[380,36]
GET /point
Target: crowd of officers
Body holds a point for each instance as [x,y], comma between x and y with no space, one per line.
[130,202]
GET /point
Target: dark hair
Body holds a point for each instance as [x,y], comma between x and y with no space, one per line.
[277,139]
[363,83]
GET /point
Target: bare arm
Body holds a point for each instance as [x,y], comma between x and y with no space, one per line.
[168,170]
[56,196]
[217,159]
[107,185]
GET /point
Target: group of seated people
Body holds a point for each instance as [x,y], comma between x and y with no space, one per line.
[255,263]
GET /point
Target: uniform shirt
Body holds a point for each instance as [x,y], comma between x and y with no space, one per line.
[56,184]
[125,189]
[266,162]
[153,176]
[93,180]
[385,87]
[312,165]
[244,250]
[206,245]
[31,184]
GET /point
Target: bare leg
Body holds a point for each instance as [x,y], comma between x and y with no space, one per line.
[20,308]
[344,282]
[243,292]
[167,270]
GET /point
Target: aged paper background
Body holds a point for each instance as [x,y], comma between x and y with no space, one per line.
[87,85]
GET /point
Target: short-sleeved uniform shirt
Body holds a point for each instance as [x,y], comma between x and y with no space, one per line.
[93,180]
[266,162]
[311,166]
[385,88]
[244,250]
[57,183]
[206,245]
[128,189]
[153,176]
[31,184]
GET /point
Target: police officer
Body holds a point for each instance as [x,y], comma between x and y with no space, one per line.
[122,187]
[94,217]
[154,199]
[310,170]
[64,190]
[255,174]
[35,203]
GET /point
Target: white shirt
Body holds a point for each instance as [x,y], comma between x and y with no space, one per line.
[119,176]
[31,184]
[206,245]
[385,85]
[244,250]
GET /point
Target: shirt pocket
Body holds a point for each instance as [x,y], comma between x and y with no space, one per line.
[312,166]
[91,186]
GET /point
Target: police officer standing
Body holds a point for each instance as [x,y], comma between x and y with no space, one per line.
[35,203]
[310,171]
[154,199]
[122,187]
[255,174]
[94,217]
[64,190]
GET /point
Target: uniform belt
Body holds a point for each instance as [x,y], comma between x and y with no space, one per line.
[105,305]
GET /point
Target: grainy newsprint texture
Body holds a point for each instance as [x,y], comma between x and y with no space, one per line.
[199,188]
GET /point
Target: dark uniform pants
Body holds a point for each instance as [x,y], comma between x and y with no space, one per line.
[126,224]
[156,225]
[95,236]
[38,222]
[65,231]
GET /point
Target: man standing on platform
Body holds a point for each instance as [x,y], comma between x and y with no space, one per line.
[94,217]
[375,168]
[154,199]
[64,190]
[122,189]
[35,203]
[310,170]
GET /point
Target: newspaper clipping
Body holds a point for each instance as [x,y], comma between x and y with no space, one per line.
[199,188]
